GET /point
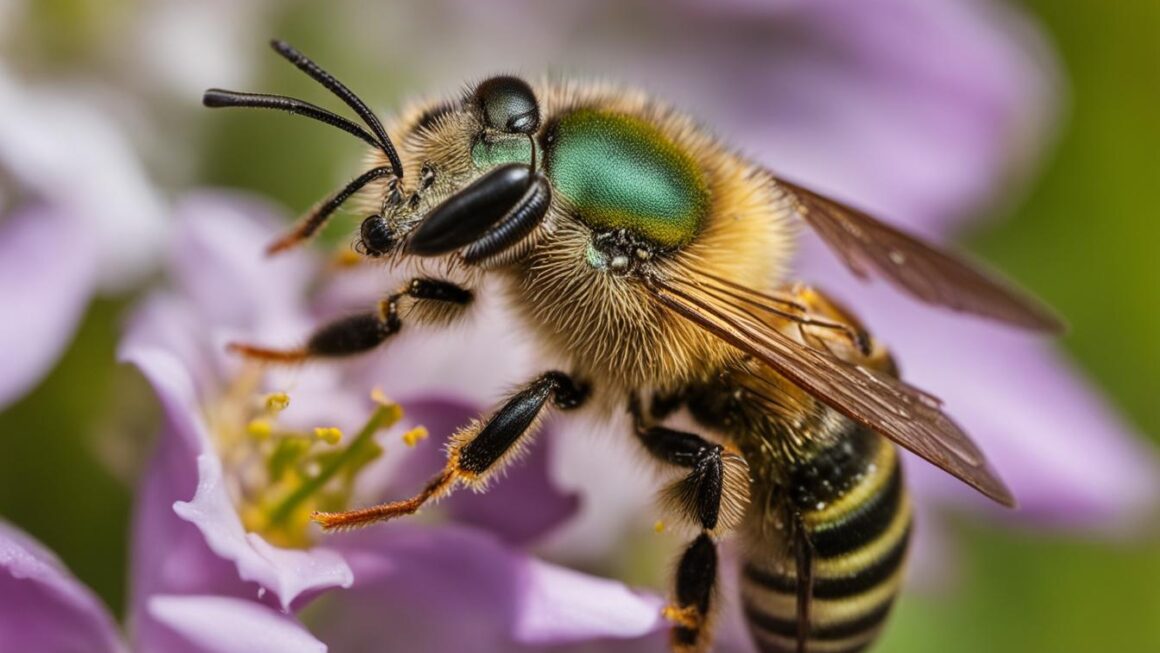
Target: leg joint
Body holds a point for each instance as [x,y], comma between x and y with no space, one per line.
[567,393]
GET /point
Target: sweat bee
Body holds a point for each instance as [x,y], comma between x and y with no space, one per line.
[648,260]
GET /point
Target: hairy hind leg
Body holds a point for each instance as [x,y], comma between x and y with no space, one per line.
[713,496]
[478,451]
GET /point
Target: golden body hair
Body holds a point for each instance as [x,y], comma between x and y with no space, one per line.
[597,321]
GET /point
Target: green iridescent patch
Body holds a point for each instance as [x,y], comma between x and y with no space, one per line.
[505,150]
[621,172]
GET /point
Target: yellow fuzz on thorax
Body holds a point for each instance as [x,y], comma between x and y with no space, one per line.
[604,325]
[608,326]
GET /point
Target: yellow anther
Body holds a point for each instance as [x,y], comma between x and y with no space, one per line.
[277,402]
[659,526]
[260,429]
[347,259]
[328,434]
[380,397]
[415,435]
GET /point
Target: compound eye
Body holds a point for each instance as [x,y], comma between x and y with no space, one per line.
[375,236]
[508,105]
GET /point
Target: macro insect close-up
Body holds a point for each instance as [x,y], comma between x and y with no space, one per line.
[647,335]
[648,260]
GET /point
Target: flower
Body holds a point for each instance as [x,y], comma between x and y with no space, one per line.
[42,606]
[241,537]
[81,200]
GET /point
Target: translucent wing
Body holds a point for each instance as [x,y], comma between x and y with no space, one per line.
[901,412]
[932,275]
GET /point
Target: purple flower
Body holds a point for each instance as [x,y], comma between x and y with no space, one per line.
[81,198]
[207,543]
[42,606]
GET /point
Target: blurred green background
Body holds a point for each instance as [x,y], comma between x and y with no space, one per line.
[1085,238]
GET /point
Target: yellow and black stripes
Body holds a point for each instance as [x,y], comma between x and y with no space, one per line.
[852,504]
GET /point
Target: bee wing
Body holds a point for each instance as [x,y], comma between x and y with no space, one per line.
[901,412]
[926,272]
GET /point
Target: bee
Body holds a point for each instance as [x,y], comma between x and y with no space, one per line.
[648,261]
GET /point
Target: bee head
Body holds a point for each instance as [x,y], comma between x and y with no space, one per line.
[478,181]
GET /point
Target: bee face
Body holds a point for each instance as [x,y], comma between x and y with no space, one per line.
[449,144]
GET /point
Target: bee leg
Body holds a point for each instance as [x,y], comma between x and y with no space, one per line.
[804,566]
[429,300]
[696,584]
[713,495]
[478,451]
[715,492]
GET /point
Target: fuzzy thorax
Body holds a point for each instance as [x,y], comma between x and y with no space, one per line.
[581,284]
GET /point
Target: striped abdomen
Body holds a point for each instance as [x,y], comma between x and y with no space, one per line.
[855,511]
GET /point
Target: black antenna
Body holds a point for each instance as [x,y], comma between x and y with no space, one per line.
[319,75]
[216,97]
[310,223]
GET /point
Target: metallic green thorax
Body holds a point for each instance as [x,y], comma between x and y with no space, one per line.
[618,172]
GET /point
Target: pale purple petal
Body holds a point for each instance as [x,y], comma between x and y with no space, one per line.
[920,110]
[43,608]
[171,555]
[219,263]
[216,624]
[63,146]
[285,572]
[596,457]
[560,605]
[46,277]
[410,580]
[480,359]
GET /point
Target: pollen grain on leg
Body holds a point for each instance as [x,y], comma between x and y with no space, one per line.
[687,617]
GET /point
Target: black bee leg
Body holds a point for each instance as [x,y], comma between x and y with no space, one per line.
[424,300]
[713,495]
[715,492]
[696,585]
[804,567]
[478,451]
